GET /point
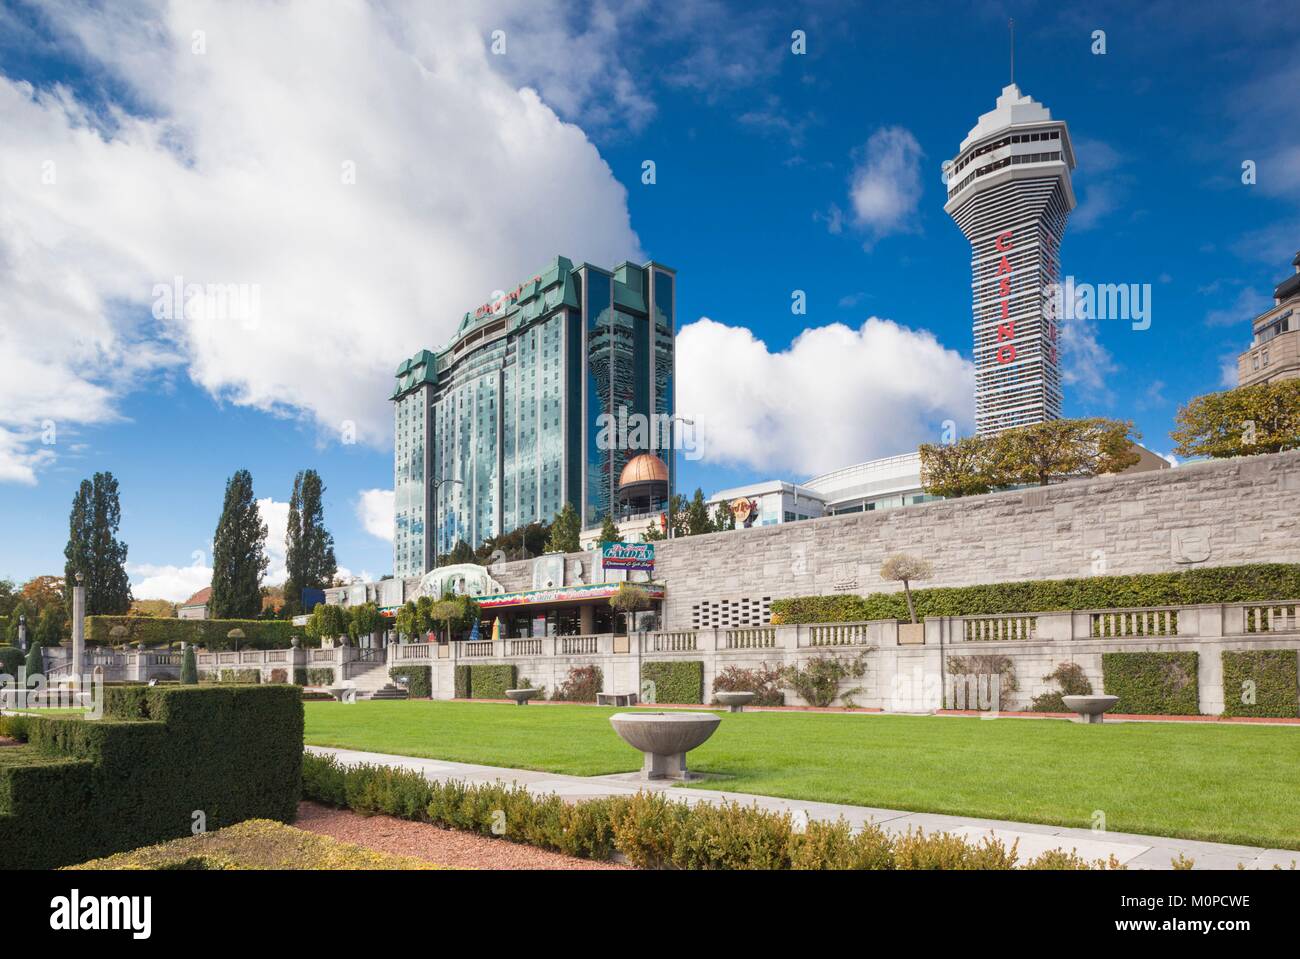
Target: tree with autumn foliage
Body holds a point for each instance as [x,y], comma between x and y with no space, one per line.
[1062,449]
[1263,418]
[963,468]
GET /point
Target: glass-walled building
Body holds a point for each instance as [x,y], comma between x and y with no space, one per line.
[541,399]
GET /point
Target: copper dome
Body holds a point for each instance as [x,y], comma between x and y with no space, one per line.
[643,468]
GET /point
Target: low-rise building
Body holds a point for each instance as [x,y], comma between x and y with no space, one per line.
[196,607]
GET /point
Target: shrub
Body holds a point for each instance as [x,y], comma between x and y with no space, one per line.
[189,667]
[581,685]
[35,661]
[764,682]
[1073,682]
[986,665]
[653,830]
[244,677]
[817,681]
[1156,684]
[1271,674]
[675,681]
[320,676]
[490,681]
[279,675]
[419,679]
[256,844]
[84,789]
[15,727]
[462,681]
[11,660]
[208,633]
[1217,584]
[300,676]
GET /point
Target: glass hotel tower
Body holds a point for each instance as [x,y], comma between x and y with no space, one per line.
[514,405]
[1009,191]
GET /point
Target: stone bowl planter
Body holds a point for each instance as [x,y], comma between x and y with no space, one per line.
[521,696]
[1090,708]
[735,702]
[664,739]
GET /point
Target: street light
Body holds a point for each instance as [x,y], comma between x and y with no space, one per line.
[437,487]
[22,631]
[672,467]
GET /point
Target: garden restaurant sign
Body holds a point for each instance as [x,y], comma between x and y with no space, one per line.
[628,556]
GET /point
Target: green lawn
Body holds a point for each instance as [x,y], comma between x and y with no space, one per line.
[1200,781]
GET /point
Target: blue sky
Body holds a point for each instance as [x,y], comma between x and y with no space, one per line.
[148,141]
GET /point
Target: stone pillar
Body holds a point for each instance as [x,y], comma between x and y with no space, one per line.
[587,619]
[78,629]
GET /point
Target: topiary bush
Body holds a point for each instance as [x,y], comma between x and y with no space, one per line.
[1073,682]
[82,789]
[675,681]
[35,661]
[419,679]
[490,680]
[189,667]
[1221,584]
[462,681]
[1152,684]
[764,682]
[1260,682]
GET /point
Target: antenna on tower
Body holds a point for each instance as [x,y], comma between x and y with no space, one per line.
[1011,25]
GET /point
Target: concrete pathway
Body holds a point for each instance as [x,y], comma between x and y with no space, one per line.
[1135,851]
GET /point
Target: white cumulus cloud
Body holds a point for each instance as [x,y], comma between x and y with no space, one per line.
[885,187]
[834,397]
[375,511]
[363,176]
[172,583]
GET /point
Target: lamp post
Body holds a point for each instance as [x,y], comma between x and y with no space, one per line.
[672,467]
[78,627]
[437,487]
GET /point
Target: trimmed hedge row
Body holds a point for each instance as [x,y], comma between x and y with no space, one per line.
[653,830]
[675,681]
[1152,684]
[208,633]
[160,756]
[1221,584]
[489,681]
[419,679]
[1271,675]
[320,676]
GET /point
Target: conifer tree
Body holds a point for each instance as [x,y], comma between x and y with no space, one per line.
[238,553]
[94,550]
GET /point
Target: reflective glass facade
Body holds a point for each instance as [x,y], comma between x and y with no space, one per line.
[503,426]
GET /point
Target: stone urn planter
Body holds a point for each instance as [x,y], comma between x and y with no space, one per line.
[664,739]
[735,702]
[521,696]
[1090,708]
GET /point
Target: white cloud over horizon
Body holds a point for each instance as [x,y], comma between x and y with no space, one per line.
[836,396]
[234,171]
[376,512]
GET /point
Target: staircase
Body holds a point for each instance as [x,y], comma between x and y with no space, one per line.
[370,680]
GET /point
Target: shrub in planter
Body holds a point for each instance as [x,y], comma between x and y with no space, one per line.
[978,672]
[675,681]
[419,679]
[1260,682]
[764,682]
[581,685]
[1157,684]
[817,680]
[1073,682]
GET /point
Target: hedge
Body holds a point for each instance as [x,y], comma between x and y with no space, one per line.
[654,831]
[320,676]
[1221,584]
[675,681]
[1273,672]
[11,658]
[161,754]
[1152,684]
[208,633]
[419,679]
[462,682]
[487,681]
[243,677]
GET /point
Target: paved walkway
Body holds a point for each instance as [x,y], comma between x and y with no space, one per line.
[1136,852]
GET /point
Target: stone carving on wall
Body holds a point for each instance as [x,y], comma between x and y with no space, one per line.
[1189,546]
[548,571]
[844,577]
[574,576]
[467,579]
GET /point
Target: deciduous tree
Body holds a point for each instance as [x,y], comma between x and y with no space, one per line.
[1263,418]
